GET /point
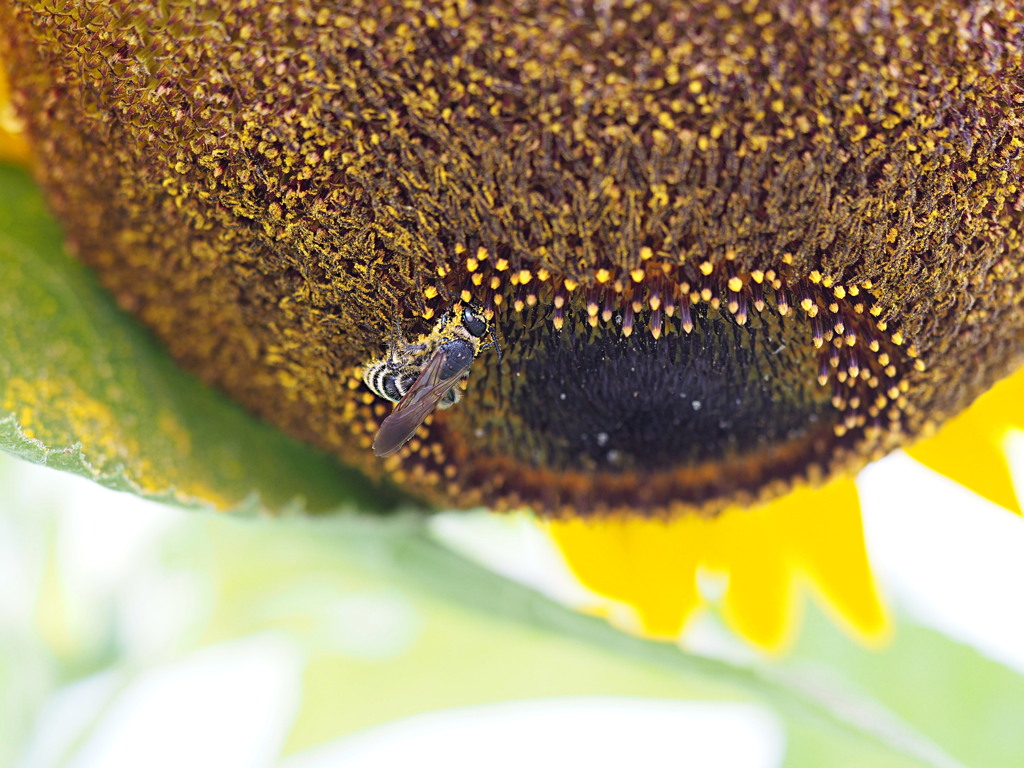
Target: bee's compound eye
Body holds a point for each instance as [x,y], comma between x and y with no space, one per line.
[474,322]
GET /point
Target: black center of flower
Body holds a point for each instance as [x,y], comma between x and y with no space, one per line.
[591,399]
[658,390]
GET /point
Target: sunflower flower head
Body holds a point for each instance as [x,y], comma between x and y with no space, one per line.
[724,250]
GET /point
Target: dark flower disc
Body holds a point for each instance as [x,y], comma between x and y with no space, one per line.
[724,247]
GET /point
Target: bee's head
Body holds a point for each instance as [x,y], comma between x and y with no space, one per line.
[474,321]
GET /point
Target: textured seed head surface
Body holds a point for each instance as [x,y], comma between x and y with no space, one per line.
[750,243]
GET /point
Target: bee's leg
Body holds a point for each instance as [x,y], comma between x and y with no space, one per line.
[450,398]
[492,344]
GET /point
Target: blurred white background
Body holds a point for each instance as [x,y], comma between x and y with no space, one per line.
[134,634]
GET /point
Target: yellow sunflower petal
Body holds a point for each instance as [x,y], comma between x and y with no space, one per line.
[826,547]
[813,534]
[760,600]
[13,143]
[969,448]
[649,565]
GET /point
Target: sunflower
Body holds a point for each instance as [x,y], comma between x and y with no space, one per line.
[726,254]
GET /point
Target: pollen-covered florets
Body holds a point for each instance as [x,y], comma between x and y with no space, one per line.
[273,187]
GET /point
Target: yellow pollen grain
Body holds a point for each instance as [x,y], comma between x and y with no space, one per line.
[706,268]
[757,276]
[646,253]
[840,292]
[472,264]
[428,313]
[637,275]
[735,284]
[571,285]
[525,276]
[501,264]
[603,276]
[429,292]
[543,275]
[465,295]
[495,283]
[481,254]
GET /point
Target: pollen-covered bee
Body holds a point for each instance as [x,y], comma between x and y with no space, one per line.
[424,375]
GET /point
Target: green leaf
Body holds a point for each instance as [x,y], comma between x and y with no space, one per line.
[86,390]
[936,684]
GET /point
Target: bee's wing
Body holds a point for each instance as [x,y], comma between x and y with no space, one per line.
[421,398]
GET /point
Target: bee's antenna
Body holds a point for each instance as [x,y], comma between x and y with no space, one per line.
[494,342]
[396,340]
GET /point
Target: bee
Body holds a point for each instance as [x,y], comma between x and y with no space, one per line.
[425,374]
